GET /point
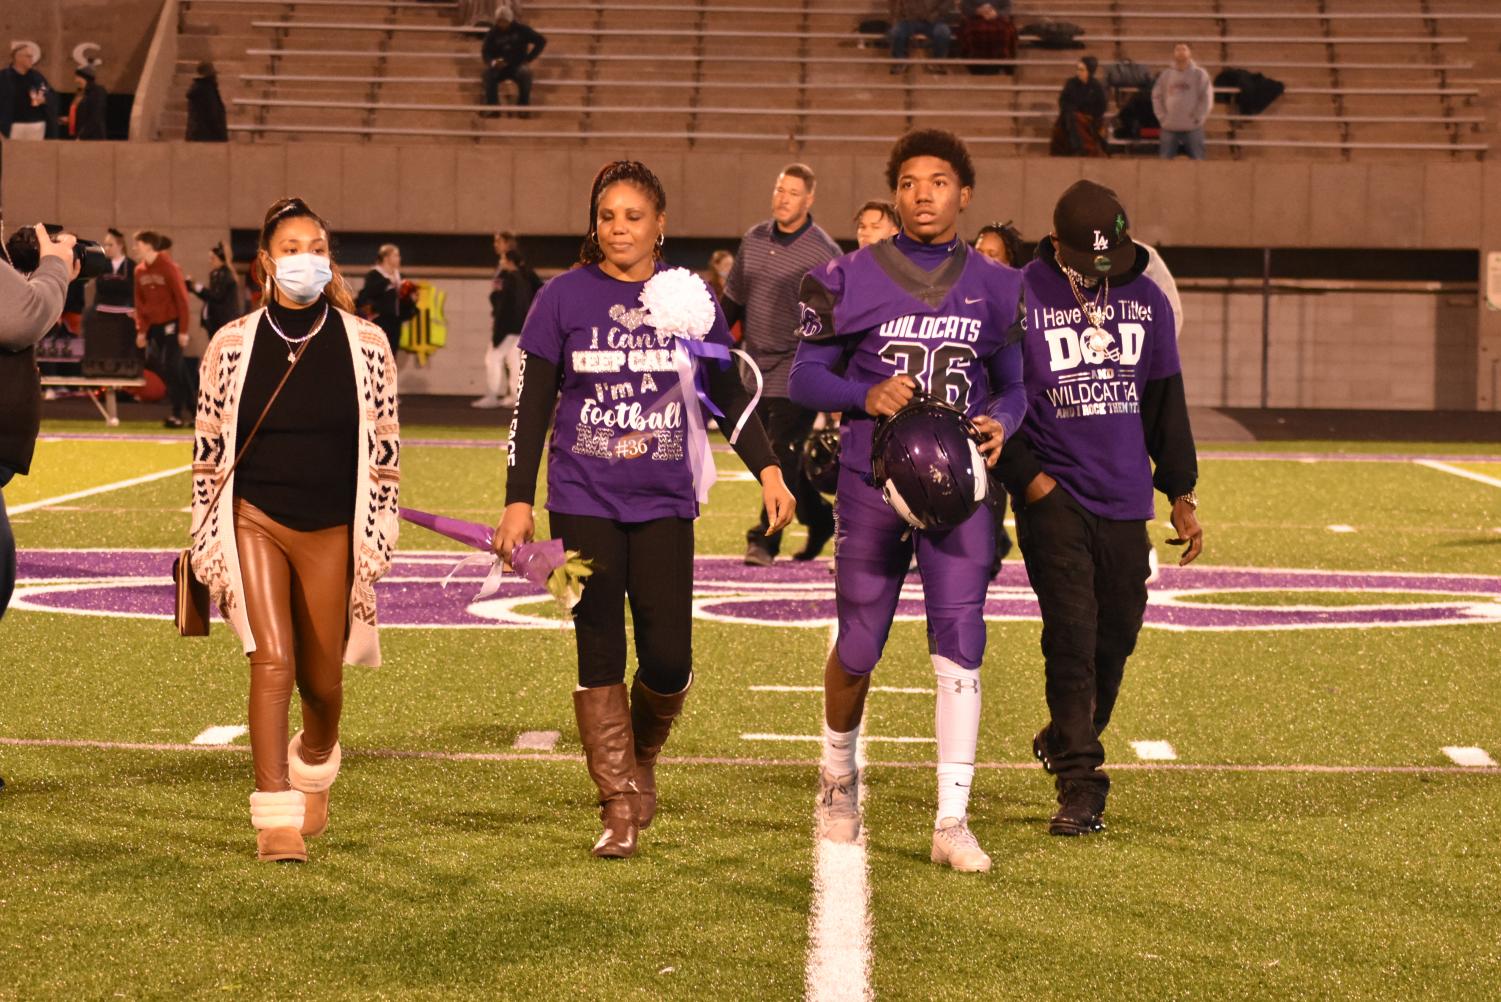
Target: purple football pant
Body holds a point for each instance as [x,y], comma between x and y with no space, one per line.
[871,560]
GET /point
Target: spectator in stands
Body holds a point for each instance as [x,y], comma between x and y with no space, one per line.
[987,32]
[720,264]
[207,122]
[27,104]
[161,304]
[1080,128]
[875,221]
[509,50]
[511,292]
[385,299]
[221,297]
[1001,242]
[921,17]
[763,291]
[1182,98]
[87,115]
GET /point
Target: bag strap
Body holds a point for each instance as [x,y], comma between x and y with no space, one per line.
[245,445]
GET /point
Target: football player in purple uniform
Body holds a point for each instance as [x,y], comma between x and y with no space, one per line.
[1106,421]
[919,312]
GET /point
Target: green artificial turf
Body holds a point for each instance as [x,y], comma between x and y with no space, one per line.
[1227,874]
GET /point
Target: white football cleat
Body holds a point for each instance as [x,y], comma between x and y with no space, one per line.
[838,810]
[955,845]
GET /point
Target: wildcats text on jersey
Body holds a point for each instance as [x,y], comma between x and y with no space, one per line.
[923,328]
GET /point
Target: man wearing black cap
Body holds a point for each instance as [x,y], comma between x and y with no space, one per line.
[1105,405]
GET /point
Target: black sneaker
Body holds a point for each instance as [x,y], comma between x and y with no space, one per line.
[1081,810]
[757,555]
[1040,750]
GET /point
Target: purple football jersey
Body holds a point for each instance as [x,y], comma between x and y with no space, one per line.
[619,441]
[1085,386]
[874,313]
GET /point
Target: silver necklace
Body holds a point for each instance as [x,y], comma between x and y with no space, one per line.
[1095,336]
[293,342]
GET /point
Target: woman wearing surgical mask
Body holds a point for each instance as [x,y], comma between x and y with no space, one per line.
[306,522]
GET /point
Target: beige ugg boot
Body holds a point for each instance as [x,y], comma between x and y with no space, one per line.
[313,781]
[277,817]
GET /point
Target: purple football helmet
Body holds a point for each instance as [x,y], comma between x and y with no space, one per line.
[926,461]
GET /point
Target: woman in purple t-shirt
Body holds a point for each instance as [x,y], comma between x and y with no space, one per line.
[627,468]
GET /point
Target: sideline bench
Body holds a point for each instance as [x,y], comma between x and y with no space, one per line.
[101,386]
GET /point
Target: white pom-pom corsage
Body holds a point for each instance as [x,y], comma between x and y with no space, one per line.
[679,303]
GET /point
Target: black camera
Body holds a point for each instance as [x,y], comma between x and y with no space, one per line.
[25,255]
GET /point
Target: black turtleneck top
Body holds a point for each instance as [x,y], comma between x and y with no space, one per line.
[301,467]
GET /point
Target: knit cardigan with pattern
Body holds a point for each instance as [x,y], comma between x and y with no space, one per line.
[215,557]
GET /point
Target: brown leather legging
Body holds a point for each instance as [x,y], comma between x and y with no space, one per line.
[297,601]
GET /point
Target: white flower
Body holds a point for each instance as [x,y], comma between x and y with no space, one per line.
[679,303]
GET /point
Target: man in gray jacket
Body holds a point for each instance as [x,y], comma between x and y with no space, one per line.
[29,307]
[1182,98]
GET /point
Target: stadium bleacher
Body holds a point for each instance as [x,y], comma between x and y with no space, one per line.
[1393,81]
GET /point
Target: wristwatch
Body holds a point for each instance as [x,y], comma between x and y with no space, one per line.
[1191,499]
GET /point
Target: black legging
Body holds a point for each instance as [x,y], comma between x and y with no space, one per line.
[651,563]
[163,350]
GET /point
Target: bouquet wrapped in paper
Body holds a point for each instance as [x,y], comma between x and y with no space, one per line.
[545,563]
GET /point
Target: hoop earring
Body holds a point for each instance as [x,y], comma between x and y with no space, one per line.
[661,239]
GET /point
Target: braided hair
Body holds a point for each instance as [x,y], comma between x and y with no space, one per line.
[632,172]
[1011,238]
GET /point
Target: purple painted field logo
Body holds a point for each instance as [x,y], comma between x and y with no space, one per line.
[137,584]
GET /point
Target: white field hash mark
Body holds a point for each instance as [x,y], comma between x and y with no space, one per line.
[839,922]
[221,735]
[1469,755]
[536,740]
[1342,528]
[1154,751]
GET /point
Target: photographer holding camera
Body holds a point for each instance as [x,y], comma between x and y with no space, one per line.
[29,307]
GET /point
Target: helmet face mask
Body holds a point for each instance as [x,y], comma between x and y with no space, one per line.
[926,460]
[821,459]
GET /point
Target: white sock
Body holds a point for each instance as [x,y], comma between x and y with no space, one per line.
[839,750]
[956,721]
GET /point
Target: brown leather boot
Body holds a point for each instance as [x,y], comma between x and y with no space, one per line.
[604,719]
[652,715]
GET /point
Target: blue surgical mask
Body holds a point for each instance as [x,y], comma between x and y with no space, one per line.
[303,277]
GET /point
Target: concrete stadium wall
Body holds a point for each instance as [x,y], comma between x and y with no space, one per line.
[120,28]
[198,192]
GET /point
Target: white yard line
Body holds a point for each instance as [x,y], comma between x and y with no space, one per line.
[878,738]
[1458,471]
[221,735]
[750,762]
[1469,756]
[102,489]
[1154,751]
[839,922]
[907,689]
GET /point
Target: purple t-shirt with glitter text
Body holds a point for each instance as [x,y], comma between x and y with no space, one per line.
[619,441]
[1084,389]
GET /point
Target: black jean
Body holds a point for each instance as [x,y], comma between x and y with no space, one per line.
[1090,576]
[651,564]
[788,425]
[521,74]
[164,357]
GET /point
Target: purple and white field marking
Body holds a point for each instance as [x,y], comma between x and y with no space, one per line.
[136,584]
